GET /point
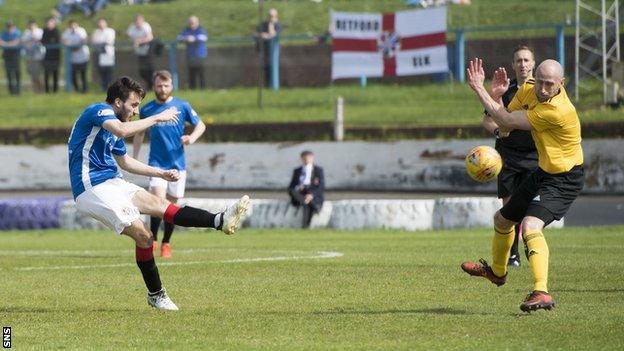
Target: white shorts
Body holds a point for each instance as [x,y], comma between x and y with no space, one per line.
[174,189]
[111,203]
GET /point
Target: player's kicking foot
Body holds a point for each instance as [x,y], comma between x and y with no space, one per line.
[537,300]
[165,250]
[482,269]
[235,215]
[161,301]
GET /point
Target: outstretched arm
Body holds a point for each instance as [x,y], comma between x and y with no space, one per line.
[503,118]
[131,165]
[128,129]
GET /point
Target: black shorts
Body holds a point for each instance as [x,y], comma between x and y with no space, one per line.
[545,196]
[509,179]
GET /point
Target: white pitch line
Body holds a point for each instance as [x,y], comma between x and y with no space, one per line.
[128,252]
[319,255]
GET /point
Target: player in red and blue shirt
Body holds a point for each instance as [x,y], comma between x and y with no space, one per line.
[167,142]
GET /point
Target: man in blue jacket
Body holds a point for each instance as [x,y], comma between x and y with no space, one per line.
[195,37]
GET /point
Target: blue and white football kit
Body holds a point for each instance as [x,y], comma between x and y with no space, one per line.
[96,181]
[166,148]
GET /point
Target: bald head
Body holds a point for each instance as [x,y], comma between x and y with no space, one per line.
[550,68]
[548,79]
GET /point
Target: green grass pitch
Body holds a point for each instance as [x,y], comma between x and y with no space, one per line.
[262,289]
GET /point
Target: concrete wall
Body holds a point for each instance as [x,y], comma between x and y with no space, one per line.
[412,215]
[425,165]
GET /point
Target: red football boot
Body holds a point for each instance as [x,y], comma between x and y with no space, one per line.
[482,269]
[537,300]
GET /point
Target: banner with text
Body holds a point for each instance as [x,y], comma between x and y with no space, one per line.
[394,44]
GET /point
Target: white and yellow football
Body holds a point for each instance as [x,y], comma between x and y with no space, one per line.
[483,163]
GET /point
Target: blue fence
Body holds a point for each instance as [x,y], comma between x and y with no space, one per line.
[460,40]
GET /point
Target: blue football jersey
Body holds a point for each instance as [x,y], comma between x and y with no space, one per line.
[91,149]
[166,149]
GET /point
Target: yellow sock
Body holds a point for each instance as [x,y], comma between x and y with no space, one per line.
[538,258]
[501,244]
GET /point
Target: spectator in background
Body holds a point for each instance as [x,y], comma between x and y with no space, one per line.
[11,47]
[195,37]
[268,35]
[307,187]
[51,40]
[140,33]
[103,39]
[34,50]
[64,8]
[75,37]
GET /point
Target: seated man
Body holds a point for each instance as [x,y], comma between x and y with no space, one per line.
[307,186]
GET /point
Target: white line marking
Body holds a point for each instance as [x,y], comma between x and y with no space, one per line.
[128,252]
[319,255]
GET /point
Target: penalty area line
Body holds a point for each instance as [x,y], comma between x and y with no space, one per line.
[318,255]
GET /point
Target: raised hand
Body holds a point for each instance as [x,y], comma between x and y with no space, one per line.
[170,114]
[500,83]
[170,175]
[476,75]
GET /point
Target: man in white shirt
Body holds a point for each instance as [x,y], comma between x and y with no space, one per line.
[307,186]
[103,39]
[75,37]
[140,33]
[35,51]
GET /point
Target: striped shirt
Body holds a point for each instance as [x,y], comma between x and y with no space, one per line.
[91,149]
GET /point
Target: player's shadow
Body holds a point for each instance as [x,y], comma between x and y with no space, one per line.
[607,290]
[436,311]
[28,309]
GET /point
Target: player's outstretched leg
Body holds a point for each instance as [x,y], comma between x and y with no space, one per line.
[187,216]
[156,296]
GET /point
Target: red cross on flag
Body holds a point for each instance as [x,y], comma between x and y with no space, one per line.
[395,44]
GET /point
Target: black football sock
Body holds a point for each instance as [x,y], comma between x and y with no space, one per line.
[188,216]
[154,225]
[147,265]
[168,232]
[514,247]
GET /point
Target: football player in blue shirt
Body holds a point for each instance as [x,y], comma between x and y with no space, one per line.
[167,141]
[97,151]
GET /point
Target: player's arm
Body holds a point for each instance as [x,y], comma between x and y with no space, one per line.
[134,166]
[197,132]
[500,115]
[137,141]
[128,129]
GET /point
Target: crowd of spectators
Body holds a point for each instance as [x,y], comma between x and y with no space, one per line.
[43,49]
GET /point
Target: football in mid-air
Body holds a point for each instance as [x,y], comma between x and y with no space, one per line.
[483,163]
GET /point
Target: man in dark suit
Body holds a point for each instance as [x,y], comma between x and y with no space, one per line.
[307,186]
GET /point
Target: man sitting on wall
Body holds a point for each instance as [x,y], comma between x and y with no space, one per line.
[307,186]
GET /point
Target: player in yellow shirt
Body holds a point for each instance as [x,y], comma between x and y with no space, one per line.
[545,109]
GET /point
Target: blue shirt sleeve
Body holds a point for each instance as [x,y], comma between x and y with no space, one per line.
[190,114]
[100,115]
[202,35]
[119,148]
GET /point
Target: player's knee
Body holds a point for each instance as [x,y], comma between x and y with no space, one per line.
[501,222]
[144,238]
[531,224]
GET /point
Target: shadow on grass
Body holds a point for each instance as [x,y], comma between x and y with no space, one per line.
[29,309]
[439,311]
[608,290]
